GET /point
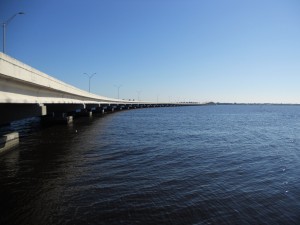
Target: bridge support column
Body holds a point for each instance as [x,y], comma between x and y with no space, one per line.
[99,110]
[84,113]
[119,108]
[56,119]
[110,108]
[8,141]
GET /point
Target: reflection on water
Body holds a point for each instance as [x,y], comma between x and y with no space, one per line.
[186,165]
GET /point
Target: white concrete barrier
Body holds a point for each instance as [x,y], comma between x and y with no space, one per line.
[8,141]
[20,83]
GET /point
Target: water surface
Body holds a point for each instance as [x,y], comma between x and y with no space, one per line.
[182,165]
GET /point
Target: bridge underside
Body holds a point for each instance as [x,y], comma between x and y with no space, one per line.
[11,112]
[27,92]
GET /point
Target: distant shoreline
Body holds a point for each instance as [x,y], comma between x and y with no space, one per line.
[277,104]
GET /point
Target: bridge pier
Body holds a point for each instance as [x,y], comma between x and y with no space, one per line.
[58,118]
[99,110]
[119,107]
[110,108]
[84,113]
[8,141]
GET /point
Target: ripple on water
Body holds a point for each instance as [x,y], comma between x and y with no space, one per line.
[185,165]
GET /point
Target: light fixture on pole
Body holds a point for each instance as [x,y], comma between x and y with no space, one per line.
[118,87]
[4,25]
[138,92]
[90,77]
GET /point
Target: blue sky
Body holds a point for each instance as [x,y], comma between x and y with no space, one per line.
[170,50]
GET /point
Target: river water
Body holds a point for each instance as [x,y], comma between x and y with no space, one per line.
[181,165]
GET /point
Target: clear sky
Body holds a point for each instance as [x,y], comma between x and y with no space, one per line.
[166,50]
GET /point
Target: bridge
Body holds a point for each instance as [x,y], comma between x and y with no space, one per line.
[27,92]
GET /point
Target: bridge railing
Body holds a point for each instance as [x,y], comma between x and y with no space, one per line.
[13,70]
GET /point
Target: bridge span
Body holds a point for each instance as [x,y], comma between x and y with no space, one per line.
[27,92]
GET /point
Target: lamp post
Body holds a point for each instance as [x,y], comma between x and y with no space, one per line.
[4,25]
[138,92]
[118,87]
[90,77]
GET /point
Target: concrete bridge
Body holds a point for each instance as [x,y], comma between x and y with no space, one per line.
[27,92]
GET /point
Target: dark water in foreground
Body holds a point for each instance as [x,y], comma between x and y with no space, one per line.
[185,165]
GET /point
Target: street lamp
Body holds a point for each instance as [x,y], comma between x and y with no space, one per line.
[138,92]
[118,86]
[90,77]
[4,25]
